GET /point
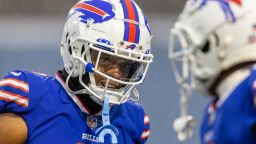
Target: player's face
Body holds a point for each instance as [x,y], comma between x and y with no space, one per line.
[112,66]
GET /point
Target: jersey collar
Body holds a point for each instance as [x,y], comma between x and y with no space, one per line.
[73,97]
[230,83]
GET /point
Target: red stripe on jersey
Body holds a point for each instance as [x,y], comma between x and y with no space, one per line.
[20,100]
[145,134]
[18,84]
[146,120]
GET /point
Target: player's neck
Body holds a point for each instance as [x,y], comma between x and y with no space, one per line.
[74,85]
[230,82]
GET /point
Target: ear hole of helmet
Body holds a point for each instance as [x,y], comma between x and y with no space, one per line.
[206,47]
[213,40]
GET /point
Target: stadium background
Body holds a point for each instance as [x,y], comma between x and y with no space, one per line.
[30,38]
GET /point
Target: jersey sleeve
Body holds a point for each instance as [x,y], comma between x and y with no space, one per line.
[136,122]
[254,93]
[14,92]
[146,129]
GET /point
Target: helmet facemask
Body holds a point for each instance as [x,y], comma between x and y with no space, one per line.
[112,71]
[200,59]
[181,55]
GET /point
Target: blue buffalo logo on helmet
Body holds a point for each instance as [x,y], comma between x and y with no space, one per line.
[95,11]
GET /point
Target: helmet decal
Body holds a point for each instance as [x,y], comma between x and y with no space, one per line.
[225,6]
[98,11]
[104,41]
[235,1]
[132,47]
[132,30]
[147,51]
[146,23]
[101,40]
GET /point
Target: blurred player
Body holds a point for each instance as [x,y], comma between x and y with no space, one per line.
[215,40]
[106,52]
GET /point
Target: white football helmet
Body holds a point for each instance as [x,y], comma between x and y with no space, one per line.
[212,36]
[115,28]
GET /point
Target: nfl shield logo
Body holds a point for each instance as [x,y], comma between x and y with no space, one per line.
[92,122]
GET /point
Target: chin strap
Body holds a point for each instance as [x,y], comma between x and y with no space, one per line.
[107,128]
[184,124]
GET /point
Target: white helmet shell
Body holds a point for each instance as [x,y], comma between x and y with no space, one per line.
[213,36]
[117,28]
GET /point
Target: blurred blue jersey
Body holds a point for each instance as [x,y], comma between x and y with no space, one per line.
[231,121]
[52,116]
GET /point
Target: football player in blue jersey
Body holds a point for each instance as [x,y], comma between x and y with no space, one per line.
[106,52]
[216,42]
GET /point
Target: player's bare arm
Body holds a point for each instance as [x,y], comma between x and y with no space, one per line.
[13,129]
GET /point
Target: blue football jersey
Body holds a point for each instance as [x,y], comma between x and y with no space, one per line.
[231,120]
[53,116]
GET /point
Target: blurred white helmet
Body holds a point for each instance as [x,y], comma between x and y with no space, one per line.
[212,36]
[113,28]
